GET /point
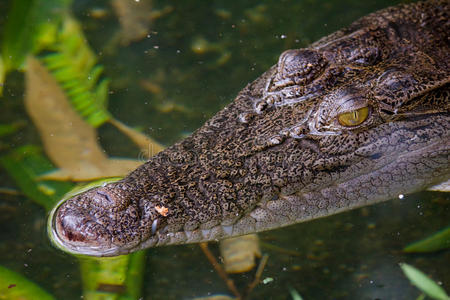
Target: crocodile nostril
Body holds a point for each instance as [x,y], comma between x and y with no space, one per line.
[105,195]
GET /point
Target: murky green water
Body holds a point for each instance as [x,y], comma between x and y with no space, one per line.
[196,58]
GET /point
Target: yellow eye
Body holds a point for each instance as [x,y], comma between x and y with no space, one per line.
[354,117]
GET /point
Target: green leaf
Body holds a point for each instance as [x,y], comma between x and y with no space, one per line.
[18,33]
[31,25]
[74,65]
[294,294]
[117,277]
[423,283]
[2,76]
[14,286]
[7,129]
[24,165]
[421,297]
[438,241]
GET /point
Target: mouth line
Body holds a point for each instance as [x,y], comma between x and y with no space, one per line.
[161,236]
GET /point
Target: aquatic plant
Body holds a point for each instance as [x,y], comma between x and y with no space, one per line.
[424,283]
[59,42]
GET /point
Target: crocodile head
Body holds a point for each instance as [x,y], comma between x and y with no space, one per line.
[359,117]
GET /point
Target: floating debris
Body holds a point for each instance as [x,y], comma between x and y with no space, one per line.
[163,211]
[134,18]
[239,253]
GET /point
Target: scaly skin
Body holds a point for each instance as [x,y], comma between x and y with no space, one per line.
[278,155]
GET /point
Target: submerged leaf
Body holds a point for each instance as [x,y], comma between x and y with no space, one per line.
[119,276]
[14,286]
[25,164]
[294,294]
[438,241]
[2,75]
[31,25]
[6,129]
[68,141]
[148,146]
[216,297]
[424,283]
[239,253]
[442,187]
[134,18]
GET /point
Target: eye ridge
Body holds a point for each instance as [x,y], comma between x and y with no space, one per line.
[354,117]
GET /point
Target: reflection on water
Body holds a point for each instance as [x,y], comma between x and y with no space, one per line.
[193,61]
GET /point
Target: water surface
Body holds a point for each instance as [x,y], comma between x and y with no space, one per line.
[194,61]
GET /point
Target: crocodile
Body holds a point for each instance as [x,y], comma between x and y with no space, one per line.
[358,117]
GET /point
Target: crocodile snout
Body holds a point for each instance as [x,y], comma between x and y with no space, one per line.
[96,222]
[78,231]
